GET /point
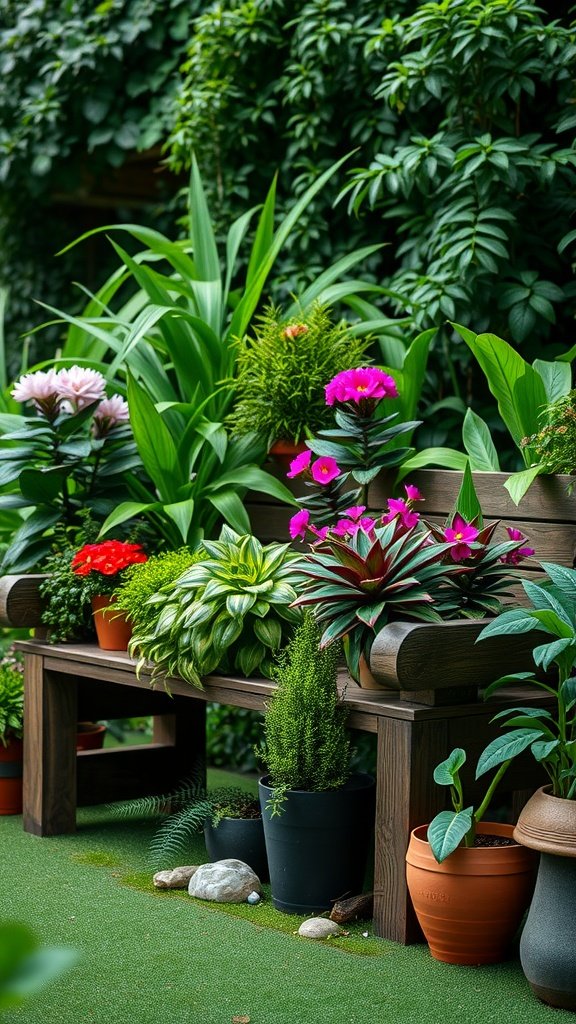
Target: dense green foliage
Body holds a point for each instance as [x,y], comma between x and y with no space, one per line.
[11,698]
[281,373]
[146,579]
[306,742]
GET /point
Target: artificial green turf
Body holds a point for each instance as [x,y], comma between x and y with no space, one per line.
[152,957]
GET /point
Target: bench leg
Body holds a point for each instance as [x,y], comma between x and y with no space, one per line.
[50,716]
[406,796]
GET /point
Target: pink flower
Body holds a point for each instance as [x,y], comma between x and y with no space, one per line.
[397,507]
[355,512]
[460,534]
[365,382]
[299,524]
[320,532]
[514,557]
[299,464]
[41,388]
[109,413]
[293,330]
[412,493]
[349,527]
[81,386]
[324,470]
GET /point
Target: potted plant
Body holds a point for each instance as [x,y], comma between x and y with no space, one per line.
[11,726]
[547,823]
[229,611]
[230,817]
[469,882]
[281,371]
[81,583]
[318,816]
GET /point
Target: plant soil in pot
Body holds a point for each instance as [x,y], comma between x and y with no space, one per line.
[471,905]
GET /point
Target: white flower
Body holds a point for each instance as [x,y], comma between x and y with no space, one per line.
[109,413]
[81,386]
[41,388]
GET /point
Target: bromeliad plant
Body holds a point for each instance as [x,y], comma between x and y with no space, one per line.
[75,452]
[550,734]
[365,571]
[229,611]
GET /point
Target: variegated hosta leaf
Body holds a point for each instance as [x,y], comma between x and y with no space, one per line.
[239,605]
[269,632]
[249,657]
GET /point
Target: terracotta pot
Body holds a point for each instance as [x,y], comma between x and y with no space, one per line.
[113,632]
[548,824]
[90,736]
[470,906]
[285,451]
[366,680]
[11,777]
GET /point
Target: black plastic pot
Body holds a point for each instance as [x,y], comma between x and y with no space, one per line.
[318,847]
[242,838]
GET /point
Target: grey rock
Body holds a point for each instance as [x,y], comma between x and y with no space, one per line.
[224,881]
[318,928]
[177,878]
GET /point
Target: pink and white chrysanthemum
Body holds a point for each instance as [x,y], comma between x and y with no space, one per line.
[109,414]
[41,388]
[81,386]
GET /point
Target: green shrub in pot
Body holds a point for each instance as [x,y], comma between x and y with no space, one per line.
[11,698]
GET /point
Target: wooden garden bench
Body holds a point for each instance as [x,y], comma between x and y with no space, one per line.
[417,721]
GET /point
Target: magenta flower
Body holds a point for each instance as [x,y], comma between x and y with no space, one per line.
[299,524]
[109,413]
[397,507]
[359,384]
[355,512]
[81,386]
[412,493]
[319,531]
[41,388]
[324,470]
[514,557]
[299,464]
[460,534]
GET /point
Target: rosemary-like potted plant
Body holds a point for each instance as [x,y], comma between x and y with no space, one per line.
[11,726]
[281,371]
[317,815]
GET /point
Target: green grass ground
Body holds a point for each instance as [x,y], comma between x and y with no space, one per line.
[153,957]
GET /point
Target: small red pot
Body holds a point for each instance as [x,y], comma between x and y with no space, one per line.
[11,777]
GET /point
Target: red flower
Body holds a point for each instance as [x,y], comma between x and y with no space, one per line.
[108,558]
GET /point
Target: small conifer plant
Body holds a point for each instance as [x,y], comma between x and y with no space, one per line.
[306,741]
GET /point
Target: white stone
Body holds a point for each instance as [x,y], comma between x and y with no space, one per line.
[318,928]
[253,898]
[224,881]
[177,878]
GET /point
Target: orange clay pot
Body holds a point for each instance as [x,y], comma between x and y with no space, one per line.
[90,736]
[11,777]
[113,632]
[285,451]
[470,906]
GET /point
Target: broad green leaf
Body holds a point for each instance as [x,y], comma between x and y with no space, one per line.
[269,632]
[181,513]
[154,442]
[447,457]
[445,772]
[556,377]
[509,623]
[517,388]
[125,511]
[504,748]
[229,505]
[479,444]
[518,483]
[447,830]
[467,503]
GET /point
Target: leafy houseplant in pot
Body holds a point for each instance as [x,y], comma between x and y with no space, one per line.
[11,726]
[100,567]
[317,815]
[281,371]
[230,817]
[547,823]
[469,882]
[229,611]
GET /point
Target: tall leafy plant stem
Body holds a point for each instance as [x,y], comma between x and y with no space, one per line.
[479,814]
